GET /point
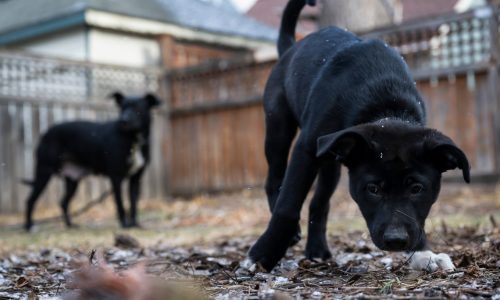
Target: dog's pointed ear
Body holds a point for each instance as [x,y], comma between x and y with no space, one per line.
[343,145]
[152,100]
[445,155]
[118,98]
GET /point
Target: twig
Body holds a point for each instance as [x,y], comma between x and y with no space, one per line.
[229,275]
[91,256]
[493,221]
[439,235]
[81,210]
[444,227]
[58,287]
[74,214]
[475,292]
[404,263]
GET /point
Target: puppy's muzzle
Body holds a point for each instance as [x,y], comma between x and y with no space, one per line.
[396,238]
[124,122]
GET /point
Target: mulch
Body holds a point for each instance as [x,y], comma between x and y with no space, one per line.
[358,270]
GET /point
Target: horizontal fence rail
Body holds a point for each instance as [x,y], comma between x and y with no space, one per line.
[217,84]
[443,44]
[55,79]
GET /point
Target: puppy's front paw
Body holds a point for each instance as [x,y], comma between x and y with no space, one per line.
[317,247]
[268,250]
[429,261]
[248,264]
[272,245]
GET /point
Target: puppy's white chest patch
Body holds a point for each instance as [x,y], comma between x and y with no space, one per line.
[136,159]
[429,261]
[73,171]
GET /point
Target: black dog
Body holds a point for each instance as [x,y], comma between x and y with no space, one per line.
[118,149]
[356,104]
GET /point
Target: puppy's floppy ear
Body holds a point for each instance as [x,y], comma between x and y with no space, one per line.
[118,98]
[343,145]
[445,155]
[152,100]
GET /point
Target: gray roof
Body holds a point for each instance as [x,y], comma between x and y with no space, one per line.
[205,15]
[224,4]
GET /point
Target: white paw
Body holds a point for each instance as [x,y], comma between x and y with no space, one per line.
[248,264]
[428,261]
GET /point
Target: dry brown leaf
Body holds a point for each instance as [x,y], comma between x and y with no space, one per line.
[21,281]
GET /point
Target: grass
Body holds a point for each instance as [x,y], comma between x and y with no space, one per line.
[208,218]
[388,285]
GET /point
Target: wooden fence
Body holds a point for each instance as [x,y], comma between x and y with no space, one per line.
[38,92]
[218,124]
[209,136]
[217,127]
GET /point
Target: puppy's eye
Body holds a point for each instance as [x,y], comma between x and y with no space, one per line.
[372,188]
[416,188]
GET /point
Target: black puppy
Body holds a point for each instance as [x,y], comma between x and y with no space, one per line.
[356,104]
[117,149]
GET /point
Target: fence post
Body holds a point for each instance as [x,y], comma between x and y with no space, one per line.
[493,82]
[167,143]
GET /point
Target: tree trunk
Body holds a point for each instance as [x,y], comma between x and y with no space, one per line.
[360,15]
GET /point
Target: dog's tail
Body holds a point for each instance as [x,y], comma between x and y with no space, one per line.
[289,20]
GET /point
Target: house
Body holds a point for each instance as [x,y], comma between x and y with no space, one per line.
[269,11]
[146,33]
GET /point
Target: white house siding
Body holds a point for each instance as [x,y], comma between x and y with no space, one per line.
[123,49]
[68,44]
[35,76]
[95,45]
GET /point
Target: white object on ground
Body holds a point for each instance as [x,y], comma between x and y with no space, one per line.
[248,264]
[429,261]
[387,262]
[280,280]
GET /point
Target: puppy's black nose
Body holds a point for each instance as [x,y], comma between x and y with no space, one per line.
[396,239]
[122,124]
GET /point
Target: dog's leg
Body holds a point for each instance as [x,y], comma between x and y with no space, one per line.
[300,174]
[116,183]
[328,178]
[41,180]
[71,186]
[281,129]
[134,190]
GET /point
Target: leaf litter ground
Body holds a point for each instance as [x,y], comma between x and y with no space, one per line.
[202,241]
